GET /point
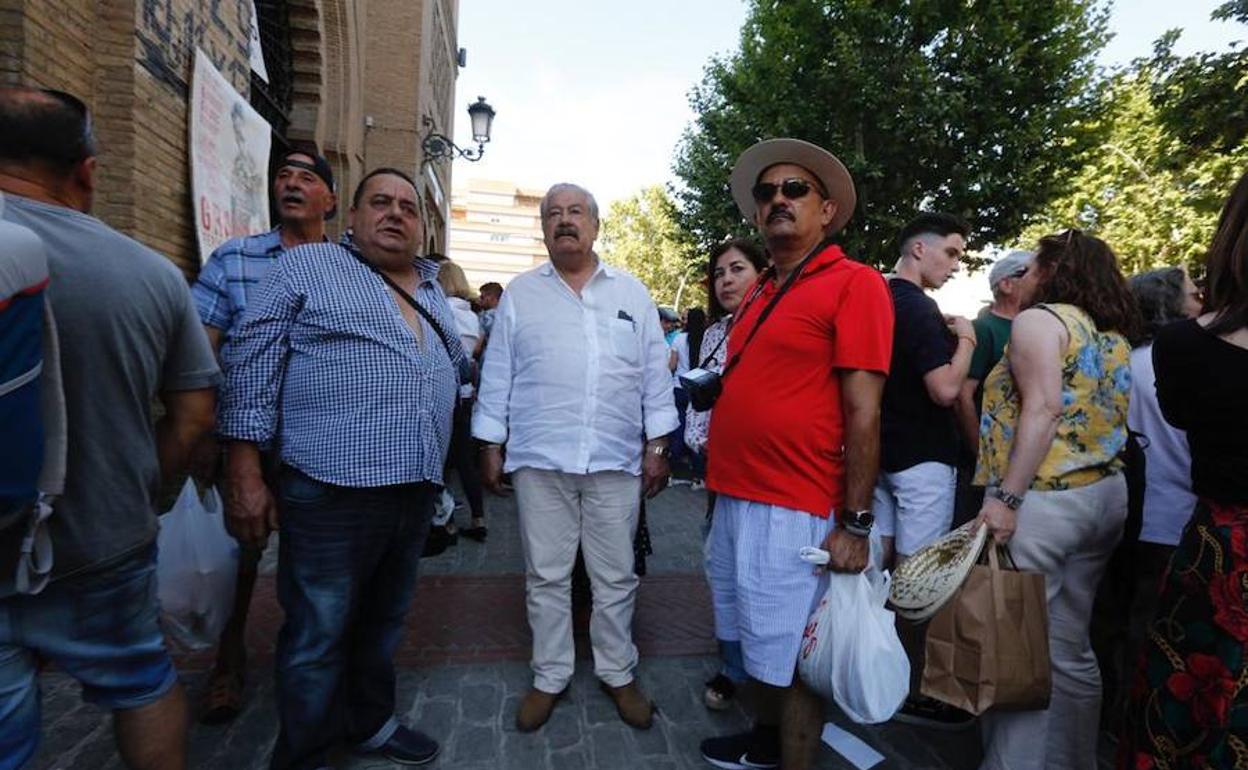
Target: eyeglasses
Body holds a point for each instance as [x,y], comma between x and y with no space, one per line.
[792,188]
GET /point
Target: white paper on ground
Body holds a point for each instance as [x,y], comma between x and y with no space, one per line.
[848,745]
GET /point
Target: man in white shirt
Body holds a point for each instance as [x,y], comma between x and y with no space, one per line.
[575,382]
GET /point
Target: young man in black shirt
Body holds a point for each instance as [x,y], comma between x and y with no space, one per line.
[915,491]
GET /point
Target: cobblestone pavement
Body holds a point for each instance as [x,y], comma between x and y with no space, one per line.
[463,669]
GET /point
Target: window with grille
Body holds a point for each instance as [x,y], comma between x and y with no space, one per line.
[273,99]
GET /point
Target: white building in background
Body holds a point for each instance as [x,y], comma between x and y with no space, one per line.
[495,231]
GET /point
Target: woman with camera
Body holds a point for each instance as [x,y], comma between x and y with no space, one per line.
[1054,422]
[732,270]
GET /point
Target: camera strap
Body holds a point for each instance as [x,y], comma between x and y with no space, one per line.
[771,305]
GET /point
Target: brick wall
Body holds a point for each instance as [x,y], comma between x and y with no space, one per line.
[392,57]
[11,41]
[167,32]
[131,61]
[114,115]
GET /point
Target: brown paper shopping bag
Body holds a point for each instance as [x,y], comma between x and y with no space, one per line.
[988,647]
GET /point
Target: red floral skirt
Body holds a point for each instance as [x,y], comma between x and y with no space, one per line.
[1189,705]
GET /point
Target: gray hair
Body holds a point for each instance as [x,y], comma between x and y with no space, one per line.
[1159,295]
[569,187]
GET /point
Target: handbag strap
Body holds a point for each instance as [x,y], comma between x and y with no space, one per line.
[409,299]
[997,556]
[771,305]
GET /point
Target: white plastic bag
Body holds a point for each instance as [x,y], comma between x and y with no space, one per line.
[443,508]
[850,651]
[196,569]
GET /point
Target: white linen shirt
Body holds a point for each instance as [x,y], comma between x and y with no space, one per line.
[575,384]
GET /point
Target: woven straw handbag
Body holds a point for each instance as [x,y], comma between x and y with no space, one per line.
[929,578]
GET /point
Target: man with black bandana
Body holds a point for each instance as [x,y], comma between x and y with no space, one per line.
[303,188]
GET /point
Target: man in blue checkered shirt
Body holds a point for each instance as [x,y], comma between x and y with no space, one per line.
[303,189]
[348,351]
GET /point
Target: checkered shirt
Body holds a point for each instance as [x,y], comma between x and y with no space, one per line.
[323,351]
[232,276]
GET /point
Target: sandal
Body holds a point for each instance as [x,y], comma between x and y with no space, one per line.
[225,698]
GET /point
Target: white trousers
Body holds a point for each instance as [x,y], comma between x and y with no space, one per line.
[1067,535]
[598,512]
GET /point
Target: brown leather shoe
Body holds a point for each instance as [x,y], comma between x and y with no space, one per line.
[535,708]
[634,707]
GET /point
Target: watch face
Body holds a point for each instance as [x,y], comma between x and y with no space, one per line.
[864,519]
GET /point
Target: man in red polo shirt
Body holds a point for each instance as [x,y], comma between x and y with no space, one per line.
[794,438]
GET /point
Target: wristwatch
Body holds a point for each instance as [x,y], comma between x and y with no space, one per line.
[658,449]
[858,522]
[1011,500]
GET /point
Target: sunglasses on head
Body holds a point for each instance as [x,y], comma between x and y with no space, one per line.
[792,188]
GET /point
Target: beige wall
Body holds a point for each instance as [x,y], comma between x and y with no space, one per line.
[131,62]
[412,44]
[495,231]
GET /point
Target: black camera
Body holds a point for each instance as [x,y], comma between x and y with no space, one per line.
[703,387]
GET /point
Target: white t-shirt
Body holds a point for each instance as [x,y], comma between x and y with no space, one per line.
[466,323]
[1168,498]
[469,328]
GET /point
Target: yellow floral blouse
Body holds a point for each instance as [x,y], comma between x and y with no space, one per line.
[1092,429]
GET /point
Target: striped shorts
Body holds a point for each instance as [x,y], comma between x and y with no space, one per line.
[763,593]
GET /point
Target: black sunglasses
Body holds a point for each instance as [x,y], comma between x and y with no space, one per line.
[792,188]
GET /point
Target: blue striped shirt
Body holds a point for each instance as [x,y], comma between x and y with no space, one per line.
[232,275]
[324,352]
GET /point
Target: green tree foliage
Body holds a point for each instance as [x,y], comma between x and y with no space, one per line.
[1176,141]
[1203,99]
[1144,191]
[642,234]
[979,107]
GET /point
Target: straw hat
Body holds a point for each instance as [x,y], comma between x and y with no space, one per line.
[826,167]
[930,577]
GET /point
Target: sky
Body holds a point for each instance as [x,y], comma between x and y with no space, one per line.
[597,93]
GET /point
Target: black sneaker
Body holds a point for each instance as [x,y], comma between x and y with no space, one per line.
[409,747]
[759,748]
[922,711]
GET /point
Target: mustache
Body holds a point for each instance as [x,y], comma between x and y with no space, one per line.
[779,213]
[565,230]
[293,197]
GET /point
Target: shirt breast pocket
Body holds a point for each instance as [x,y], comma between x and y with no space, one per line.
[623,340]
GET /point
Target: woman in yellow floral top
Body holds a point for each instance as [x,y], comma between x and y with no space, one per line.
[1054,421]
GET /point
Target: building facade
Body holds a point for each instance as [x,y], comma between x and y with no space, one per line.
[495,230]
[356,78]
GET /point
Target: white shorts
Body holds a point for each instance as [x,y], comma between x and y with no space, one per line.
[762,591]
[915,506]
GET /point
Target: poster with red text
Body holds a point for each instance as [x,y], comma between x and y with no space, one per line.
[229,160]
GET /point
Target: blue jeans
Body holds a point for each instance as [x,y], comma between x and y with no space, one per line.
[100,628]
[346,574]
[676,439]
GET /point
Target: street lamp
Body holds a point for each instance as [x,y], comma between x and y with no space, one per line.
[440,147]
